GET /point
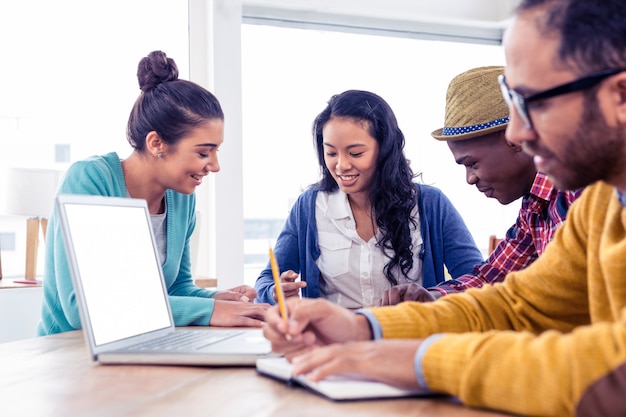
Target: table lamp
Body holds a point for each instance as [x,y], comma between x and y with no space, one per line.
[31,193]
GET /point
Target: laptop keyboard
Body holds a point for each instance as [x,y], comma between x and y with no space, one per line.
[184,341]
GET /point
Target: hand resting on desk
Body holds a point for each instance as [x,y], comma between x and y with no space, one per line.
[238,314]
[234,307]
[240,293]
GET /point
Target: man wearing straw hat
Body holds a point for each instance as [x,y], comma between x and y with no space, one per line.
[475,121]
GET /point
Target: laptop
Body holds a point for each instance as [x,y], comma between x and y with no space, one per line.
[122,296]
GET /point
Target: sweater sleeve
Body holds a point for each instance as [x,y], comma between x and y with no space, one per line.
[539,342]
[519,372]
[191,311]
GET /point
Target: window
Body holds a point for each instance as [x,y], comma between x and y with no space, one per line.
[68,83]
[289,75]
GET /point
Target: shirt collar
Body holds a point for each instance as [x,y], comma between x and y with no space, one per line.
[338,206]
[542,187]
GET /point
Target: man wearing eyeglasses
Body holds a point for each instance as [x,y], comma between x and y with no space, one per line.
[551,339]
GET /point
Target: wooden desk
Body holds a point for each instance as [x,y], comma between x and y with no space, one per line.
[54,376]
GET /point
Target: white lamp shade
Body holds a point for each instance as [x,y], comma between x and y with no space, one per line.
[31,191]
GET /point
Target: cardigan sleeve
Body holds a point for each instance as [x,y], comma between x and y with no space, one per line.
[447,240]
[286,252]
[191,305]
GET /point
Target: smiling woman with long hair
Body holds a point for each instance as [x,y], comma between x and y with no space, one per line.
[366,225]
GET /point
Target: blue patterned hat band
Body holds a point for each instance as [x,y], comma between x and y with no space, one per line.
[474,105]
[452,131]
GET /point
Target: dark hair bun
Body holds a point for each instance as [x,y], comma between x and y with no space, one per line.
[154,69]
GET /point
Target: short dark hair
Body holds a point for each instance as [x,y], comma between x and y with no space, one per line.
[592,32]
[167,105]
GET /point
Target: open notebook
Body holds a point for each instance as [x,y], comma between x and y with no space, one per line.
[337,388]
[122,297]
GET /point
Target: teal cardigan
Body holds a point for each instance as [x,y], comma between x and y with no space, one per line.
[103,175]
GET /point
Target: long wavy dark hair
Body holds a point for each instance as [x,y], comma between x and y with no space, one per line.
[392,193]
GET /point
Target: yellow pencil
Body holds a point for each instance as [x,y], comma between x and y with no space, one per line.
[279,289]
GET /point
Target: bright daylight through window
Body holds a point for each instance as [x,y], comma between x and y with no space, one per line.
[68,84]
[288,76]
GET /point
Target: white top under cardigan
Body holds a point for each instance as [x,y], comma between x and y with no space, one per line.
[351,268]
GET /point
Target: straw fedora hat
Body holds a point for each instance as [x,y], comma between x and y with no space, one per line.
[474,105]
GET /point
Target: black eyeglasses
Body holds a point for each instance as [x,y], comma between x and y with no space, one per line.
[520,102]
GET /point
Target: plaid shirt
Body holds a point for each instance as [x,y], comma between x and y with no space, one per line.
[543,210]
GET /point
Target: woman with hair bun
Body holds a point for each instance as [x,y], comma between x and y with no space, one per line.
[175,129]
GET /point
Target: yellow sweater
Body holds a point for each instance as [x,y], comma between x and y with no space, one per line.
[548,341]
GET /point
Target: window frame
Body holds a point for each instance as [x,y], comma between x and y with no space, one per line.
[215,62]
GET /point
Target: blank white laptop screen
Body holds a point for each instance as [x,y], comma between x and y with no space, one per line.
[118,264]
